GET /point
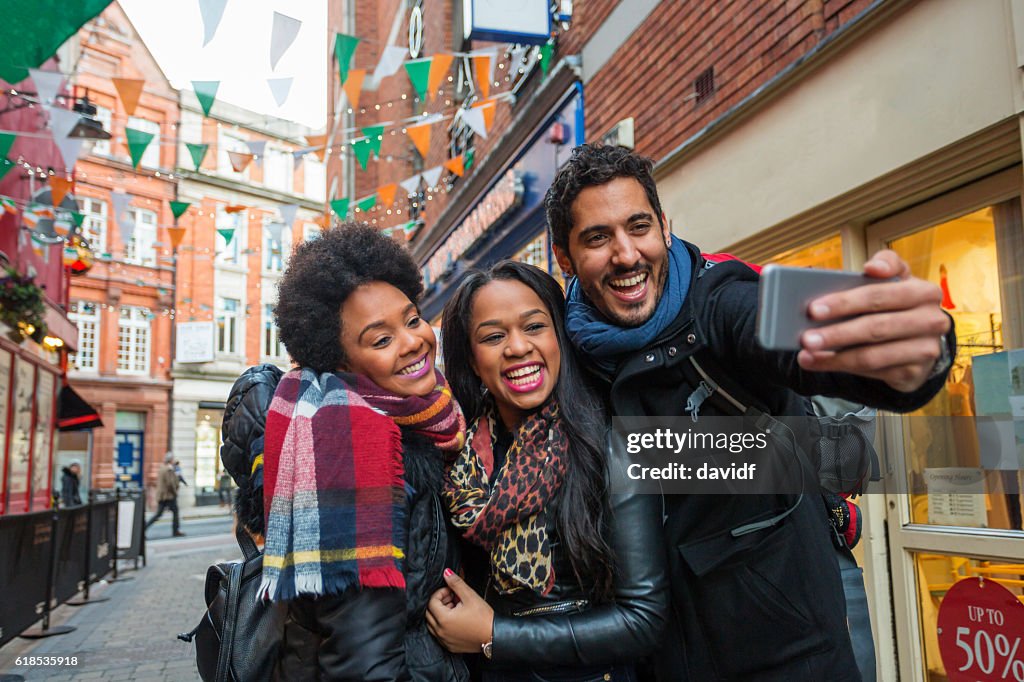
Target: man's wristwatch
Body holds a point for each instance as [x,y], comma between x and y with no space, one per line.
[487,649]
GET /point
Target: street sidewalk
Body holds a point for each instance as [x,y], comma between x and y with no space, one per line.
[133,636]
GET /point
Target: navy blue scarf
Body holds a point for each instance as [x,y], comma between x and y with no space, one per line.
[604,343]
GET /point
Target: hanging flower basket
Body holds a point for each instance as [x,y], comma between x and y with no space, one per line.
[22,307]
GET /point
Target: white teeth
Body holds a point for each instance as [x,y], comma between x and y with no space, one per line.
[630,282]
[412,369]
[522,371]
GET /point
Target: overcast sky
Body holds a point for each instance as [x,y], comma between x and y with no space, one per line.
[239,54]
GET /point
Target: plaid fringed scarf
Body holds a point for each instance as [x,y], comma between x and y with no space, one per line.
[334,491]
[503,511]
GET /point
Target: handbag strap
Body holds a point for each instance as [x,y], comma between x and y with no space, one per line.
[227,642]
[245,542]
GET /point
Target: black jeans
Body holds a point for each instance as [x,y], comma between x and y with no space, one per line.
[587,673]
[167,504]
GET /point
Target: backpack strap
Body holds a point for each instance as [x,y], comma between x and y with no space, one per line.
[227,642]
[246,543]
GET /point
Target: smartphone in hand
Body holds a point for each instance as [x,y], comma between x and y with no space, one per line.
[784,296]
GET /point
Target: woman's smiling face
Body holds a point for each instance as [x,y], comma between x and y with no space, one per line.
[515,348]
[385,340]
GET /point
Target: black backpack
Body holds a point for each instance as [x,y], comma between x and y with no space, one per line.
[239,637]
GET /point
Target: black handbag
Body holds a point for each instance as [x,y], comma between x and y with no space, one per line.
[239,637]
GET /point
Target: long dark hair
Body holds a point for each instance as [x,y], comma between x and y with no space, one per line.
[583,506]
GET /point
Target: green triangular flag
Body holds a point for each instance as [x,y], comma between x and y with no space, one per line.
[344,48]
[362,149]
[375,135]
[77,217]
[545,57]
[179,207]
[206,93]
[366,204]
[198,152]
[6,140]
[419,74]
[5,166]
[467,159]
[138,140]
[32,32]
[227,233]
[340,207]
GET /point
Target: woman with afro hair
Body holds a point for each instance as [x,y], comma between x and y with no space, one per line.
[352,460]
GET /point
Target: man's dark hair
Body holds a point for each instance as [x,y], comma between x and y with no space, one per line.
[590,165]
[321,275]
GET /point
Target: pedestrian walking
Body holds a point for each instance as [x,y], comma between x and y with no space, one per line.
[69,483]
[167,494]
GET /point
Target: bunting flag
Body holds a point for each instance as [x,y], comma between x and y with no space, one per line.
[62,122]
[59,188]
[213,12]
[77,218]
[234,208]
[455,165]
[420,136]
[280,88]
[288,212]
[375,134]
[467,159]
[283,34]
[474,118]
[344,48]
[354,86]
[432,176]
[48,84]
[239,161]
[419,75]
[489,109]
[323,221]
[257,148]
[366,204]
[411,185]
[362,148]
[482,70]
[386,194]
[545,57]
[317,145]
[127,226]
[120,201]
[198,152]
[138,140]
[227,233]
[8,205]
[175,234]
[340,207]
[391,60]
[517,54]
[206,93]
[6,140]
[129,90]
[179,207]
[439,65]
[275,229]
[5,167]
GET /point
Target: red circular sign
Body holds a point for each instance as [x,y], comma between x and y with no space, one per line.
[981,632]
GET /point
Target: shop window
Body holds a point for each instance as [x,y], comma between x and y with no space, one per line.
[87,316]
[42,439]
[133,341]
[274,250]
[826,254]
[141,248]
[535,253]
[151,157]
[21,435]
[228,323]
[208,425]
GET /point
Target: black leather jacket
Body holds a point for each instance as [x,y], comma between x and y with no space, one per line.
[368,635]
[559,629]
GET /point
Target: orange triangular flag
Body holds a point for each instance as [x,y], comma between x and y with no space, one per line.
[323,221]
[234,208]
[482,68]
[317,141]
[455,165]
[488,107]
[129,90]
[176,234]
[240,160]
[386,194]
[420,136]
[438,70]
[354,86]
[59,188]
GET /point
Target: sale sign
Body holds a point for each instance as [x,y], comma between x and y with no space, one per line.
[981,627]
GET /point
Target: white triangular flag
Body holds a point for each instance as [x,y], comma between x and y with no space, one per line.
[213,12]
[411,185]
[257,148]
[282,36]
[390,62]
[432,175]
[122,218]
[275,229]
[62,122]
[287,212]
[48,84]
[280,88]
[474,118]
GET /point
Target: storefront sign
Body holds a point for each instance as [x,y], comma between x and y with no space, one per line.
[502,200]
[194,342]
[956,496]
[980,629]
[510,21]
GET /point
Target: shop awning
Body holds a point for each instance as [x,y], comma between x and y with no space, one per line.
[73,413]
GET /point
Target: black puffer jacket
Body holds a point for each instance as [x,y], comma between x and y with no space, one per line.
[367,635]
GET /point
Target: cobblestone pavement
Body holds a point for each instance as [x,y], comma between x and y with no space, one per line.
[133,636]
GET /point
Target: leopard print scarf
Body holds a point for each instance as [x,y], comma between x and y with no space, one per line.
[503,511]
